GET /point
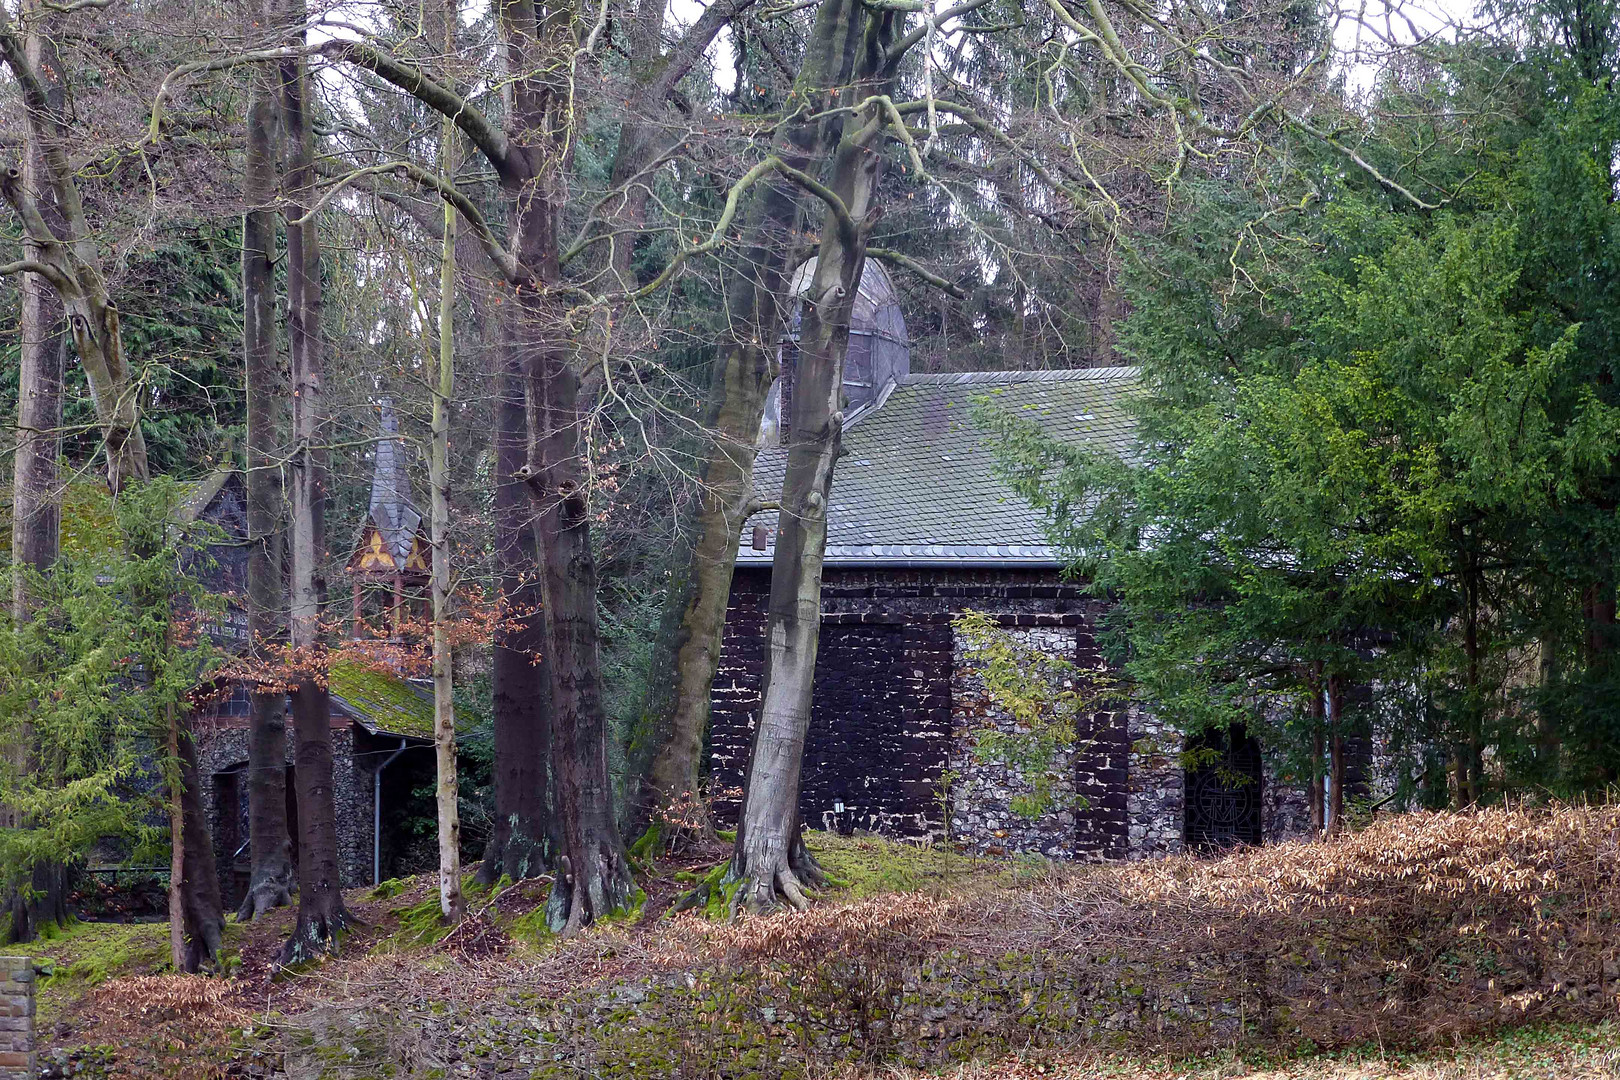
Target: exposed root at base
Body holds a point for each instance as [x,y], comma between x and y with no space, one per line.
[263,898]
[724,891]
[605,889]
[316,935]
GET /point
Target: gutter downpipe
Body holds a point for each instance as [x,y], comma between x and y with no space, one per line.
[376,813]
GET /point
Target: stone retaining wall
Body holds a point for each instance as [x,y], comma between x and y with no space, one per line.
[17,1058]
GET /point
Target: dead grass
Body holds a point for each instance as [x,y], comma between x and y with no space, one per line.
[1412,937]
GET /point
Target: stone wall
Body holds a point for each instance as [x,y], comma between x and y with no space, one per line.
[1156,788]
[1285,809]
[891,710]
[896,704]
[222,747]
[18,1060]
[880,717]
[1088,818]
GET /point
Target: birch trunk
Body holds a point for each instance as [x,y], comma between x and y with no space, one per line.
[321,915]
[769,858]
[270,845]
[451,904]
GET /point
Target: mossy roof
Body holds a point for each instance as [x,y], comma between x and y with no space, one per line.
[88,521]
[383,703]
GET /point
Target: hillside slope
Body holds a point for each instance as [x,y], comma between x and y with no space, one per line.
[1419,932]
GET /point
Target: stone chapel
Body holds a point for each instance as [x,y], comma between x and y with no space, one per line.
[920,529]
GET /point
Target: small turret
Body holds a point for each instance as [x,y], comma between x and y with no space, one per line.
[879,350]
[391,557]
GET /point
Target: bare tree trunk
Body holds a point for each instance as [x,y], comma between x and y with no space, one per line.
[594,878]
[531,156]
[522,841]
[451,903]
[64,252]
[270,845]
[685,659]
[196,915]
[321,915]
[1318,762]
[1335,708]
[36,511]
[177,852]
[769,858]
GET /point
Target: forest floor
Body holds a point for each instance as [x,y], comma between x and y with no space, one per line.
[1427,947]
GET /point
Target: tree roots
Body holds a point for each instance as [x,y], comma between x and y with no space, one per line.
[265,895]
[317,933]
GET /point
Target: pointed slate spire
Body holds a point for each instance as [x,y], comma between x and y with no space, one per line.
[393,505]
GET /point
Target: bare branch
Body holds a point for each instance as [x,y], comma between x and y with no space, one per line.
[257,56]
[504,261]
[33,266]
[905,44]
[1366,166]
[906,262]
[729,212]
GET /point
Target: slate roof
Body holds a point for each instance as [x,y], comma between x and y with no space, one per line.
[393,503]
[917,485]
[199,493]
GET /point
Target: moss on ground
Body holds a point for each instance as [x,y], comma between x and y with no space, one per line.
[873,865]
[84,954]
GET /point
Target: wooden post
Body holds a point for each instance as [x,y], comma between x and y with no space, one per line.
[399,602]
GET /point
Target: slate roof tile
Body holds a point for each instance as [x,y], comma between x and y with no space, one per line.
[918,483]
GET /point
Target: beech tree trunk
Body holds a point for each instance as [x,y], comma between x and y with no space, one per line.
[196,915]
[594,877]
[36,511]
[531,155]
[594,874]
[523,838]
[62,249]
[321,915]
[451,904]
[67,257]
[769,859]
[270,845]
[687,654]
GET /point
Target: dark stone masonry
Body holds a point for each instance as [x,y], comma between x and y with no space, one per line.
[897,702]
[222,763]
